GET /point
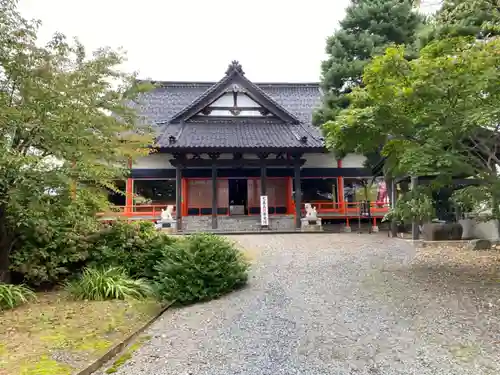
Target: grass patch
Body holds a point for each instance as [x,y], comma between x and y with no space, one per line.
[14,295]
[57,335]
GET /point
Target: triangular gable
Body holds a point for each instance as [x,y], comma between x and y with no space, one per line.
[234,96]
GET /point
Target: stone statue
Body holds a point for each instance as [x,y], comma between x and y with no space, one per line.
[311,212]
[166,215]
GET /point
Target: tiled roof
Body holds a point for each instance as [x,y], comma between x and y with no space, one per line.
[173,98]
[239,134]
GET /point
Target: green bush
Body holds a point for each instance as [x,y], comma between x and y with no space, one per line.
[14,295]
[199,268]
[105,284]
[136,247]
[51,241]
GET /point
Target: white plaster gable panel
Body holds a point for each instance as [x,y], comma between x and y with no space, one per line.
[154,161]
[235,104]
[320,161]
[227,100]
[353,161]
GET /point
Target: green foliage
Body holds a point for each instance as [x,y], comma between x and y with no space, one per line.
[460,18]
[367,29]
[66,121]
[200,268]
[480,202]
[416,204]
[135,247]
[105,284]
[435,109]
[14,295]
[52,240]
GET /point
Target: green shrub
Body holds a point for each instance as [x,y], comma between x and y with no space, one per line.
[136,247]
[14,295]
[51,240]
[105,284]
[200,267]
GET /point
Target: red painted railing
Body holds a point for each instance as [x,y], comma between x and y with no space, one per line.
[137,211]
[324,209]
[346,209]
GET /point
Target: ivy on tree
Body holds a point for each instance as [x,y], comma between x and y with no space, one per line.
[64,122]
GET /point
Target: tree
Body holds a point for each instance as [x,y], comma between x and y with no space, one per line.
[478,18]
[435,115]
[367,29]
[64,121]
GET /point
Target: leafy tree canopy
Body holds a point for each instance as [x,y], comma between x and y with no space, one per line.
[367,29]
[64,119]
[478,18]
[437,114]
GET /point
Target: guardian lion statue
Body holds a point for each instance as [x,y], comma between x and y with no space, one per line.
[166,215]
[311,212]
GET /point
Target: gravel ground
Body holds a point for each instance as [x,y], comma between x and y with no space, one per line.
[336,304]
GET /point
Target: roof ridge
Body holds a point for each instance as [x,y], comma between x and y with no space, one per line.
[233,72]
[211,83]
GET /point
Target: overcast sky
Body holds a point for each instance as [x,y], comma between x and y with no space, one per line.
[196,39]
[274,40]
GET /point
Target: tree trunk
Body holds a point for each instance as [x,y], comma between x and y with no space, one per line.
[5,246]
[495,211]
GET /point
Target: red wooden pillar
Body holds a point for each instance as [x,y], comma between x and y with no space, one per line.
[184,197]
[342,205]
[340,188]
[289,191]
[129,193]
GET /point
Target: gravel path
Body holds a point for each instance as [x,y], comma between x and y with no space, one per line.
[333,304]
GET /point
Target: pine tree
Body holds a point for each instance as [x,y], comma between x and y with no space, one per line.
[367,29]
[479,18]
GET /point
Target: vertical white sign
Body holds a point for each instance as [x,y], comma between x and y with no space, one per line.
[264,211]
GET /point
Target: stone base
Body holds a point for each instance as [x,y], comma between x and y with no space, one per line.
[168,230]
[347,229]
[168,226]
[375,229]
[238,223]
[308,225]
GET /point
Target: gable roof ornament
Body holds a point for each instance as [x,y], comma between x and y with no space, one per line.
[235,66]
[234,81]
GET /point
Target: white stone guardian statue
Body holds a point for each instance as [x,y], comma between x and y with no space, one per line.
[311,222]
[311,212]
[166,215]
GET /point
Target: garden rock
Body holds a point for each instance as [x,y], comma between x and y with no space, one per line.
[479,245]
[442,231]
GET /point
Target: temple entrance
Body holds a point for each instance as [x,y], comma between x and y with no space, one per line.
[238,196]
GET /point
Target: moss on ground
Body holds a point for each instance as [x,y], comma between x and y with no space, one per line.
[127,354]
[57,336]
[45,366]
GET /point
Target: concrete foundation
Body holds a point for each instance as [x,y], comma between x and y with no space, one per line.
[237,223]
[486,230]
[308,225]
